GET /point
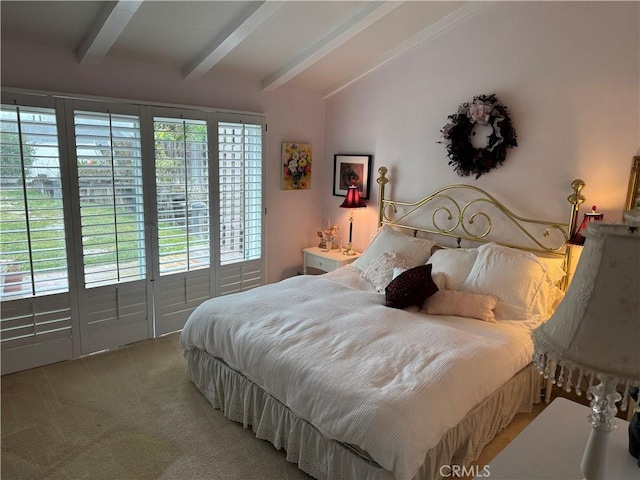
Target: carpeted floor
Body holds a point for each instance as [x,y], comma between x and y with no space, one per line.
[131,413]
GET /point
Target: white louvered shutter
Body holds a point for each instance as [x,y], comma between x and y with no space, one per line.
[240,163]
[34,286]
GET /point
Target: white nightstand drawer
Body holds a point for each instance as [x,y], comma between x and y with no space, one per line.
[315,257]
[321,263]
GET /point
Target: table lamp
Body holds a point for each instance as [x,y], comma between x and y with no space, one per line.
[352,201]
[592,216]
[594,335]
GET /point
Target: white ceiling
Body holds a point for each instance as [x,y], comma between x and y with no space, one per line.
[317,45]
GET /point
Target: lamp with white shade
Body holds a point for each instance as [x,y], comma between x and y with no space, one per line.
[594,335]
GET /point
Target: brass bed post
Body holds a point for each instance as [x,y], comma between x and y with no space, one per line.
[382,181]
[576,199]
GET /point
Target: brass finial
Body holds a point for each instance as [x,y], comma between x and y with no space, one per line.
[576,198]
[382,179]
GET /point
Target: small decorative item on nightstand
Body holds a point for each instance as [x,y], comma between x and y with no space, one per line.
[329,237]
[592,216]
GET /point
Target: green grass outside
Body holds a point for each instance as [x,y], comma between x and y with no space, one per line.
[48,233]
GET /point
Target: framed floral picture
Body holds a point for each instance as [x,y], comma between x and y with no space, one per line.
[296,162]
[351,170]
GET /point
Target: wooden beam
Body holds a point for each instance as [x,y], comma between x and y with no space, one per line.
[362,19]
[423,35]
[236,33]
[106,29]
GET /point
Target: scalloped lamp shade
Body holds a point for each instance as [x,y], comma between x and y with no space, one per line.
[594,335]
[596,328]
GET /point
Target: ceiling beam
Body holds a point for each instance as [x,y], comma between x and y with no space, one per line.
[236,33]
[106,29]
[362,19]
[423,35]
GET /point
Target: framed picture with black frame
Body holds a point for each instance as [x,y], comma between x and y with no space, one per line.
[351,170]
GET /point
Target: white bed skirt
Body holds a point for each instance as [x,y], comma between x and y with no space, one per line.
[242,401]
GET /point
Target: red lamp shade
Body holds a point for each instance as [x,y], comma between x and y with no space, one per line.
[592,216]
[353,199]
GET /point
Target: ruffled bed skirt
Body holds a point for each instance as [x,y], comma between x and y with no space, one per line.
[242,401]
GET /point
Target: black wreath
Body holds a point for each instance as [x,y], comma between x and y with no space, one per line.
[465,158]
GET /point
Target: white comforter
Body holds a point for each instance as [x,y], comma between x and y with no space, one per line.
[389,381]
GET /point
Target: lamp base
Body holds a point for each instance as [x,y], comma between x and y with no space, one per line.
[602,419]
[349,251]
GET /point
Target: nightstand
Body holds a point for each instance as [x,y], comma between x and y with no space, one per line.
[551,447]
[315,257]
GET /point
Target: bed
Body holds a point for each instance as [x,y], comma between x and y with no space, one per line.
[402,364]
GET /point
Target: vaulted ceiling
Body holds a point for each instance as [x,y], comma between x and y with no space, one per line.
[317,45]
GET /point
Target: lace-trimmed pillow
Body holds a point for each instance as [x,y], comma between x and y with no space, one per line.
[461,304]
[380,272]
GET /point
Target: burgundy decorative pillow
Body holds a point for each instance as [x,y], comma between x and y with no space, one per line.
[411,287]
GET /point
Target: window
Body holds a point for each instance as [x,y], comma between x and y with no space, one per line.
[240,170]
[182,183]
[117,220]
[33,257]
[111,197]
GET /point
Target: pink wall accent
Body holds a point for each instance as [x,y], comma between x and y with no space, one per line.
[569,72]
[293,115]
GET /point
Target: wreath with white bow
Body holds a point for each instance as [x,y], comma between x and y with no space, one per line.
[484,111]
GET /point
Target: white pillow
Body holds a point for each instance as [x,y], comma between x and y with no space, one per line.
[519,280]
[380,272]
[555,272]
[454,264]
[397,271]
[416,250]
[555,268]
[555,297]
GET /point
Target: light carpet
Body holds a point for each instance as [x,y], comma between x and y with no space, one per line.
[132,413]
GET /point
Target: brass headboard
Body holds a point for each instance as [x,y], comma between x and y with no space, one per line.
[465,220]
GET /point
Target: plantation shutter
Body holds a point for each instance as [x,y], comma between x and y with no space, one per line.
[109,163]
[183,226]
[182,194]
[35,321]
[115,302]
[117,220]
[240,169]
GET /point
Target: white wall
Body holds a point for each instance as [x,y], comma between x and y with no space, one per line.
[569,72]
[293,115]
